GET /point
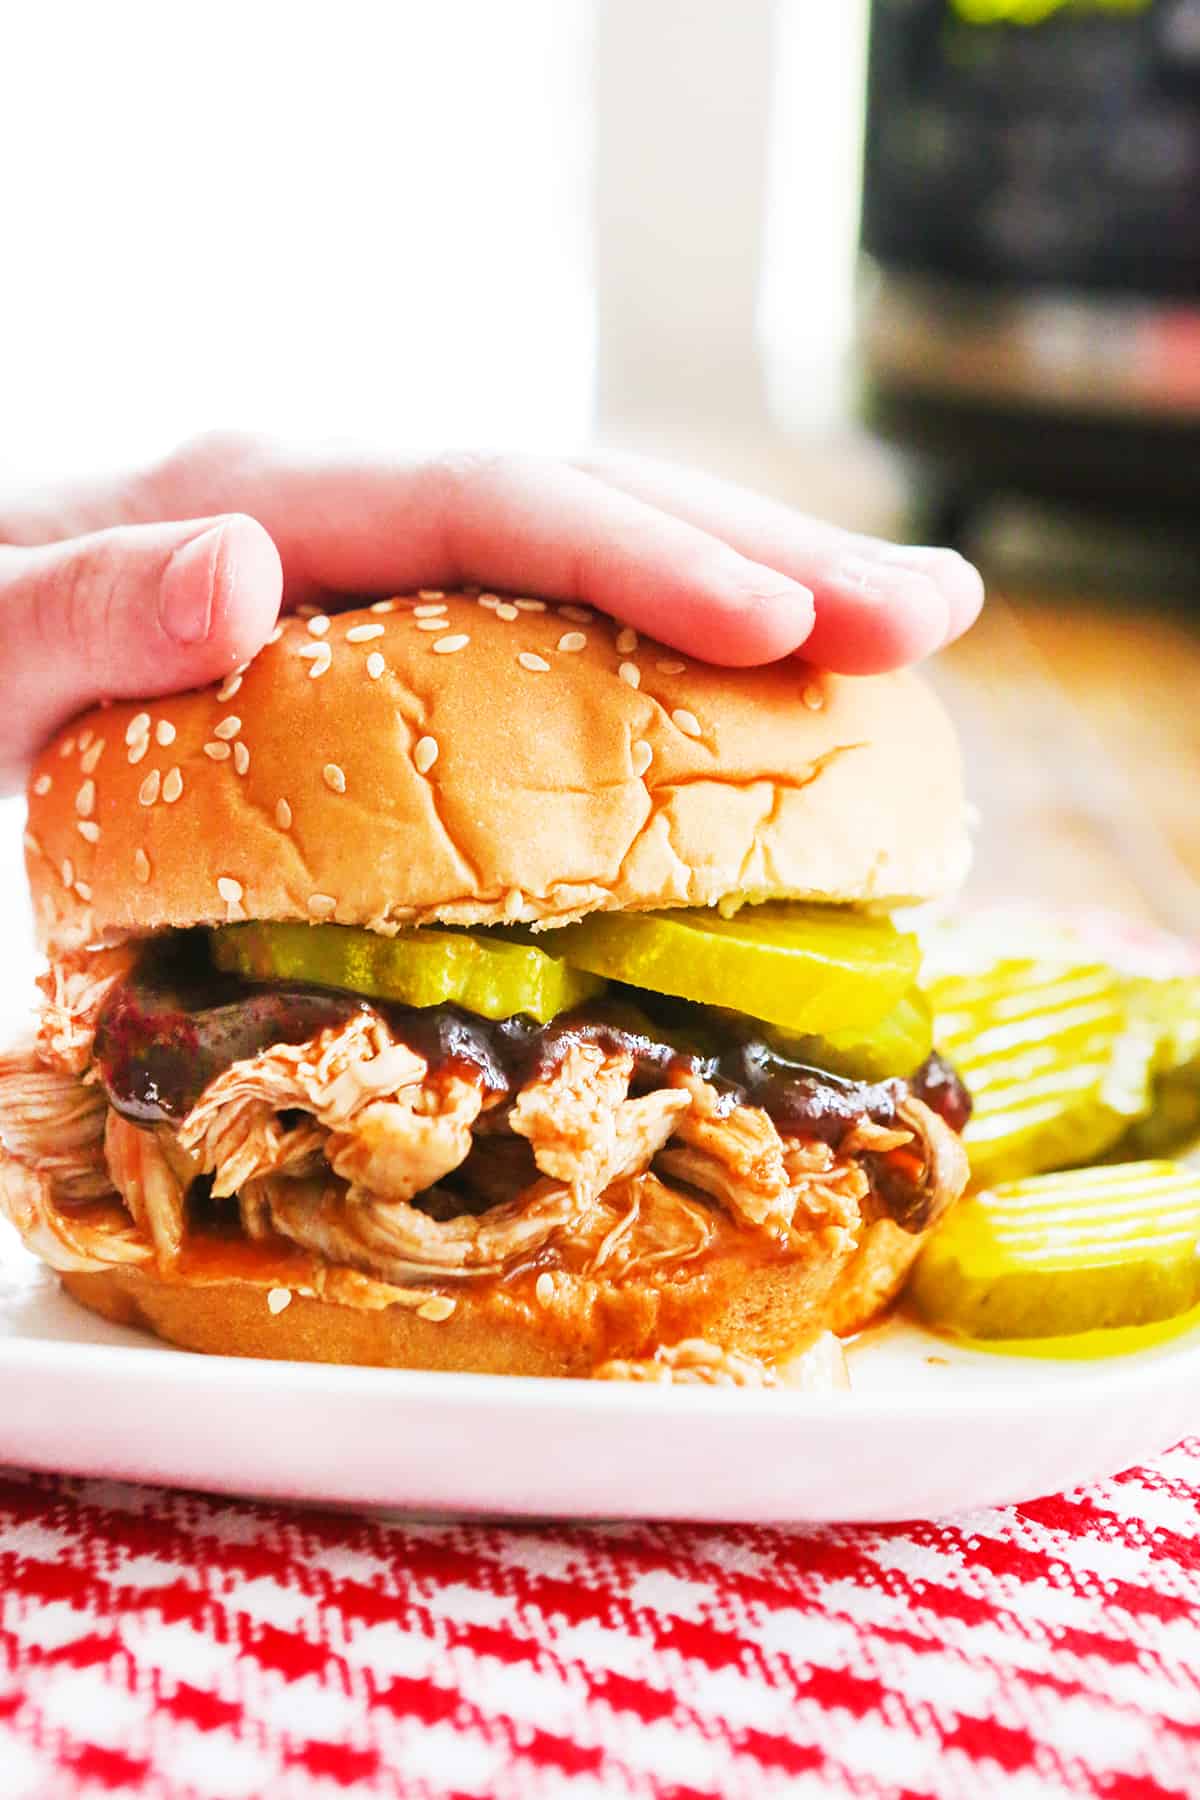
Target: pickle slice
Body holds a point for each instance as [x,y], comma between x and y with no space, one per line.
[488,975]
[1057,1062]
[1059,1255]
[898,1045]
[813,969]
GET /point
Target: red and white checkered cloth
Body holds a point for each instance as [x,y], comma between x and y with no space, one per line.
[170,1645]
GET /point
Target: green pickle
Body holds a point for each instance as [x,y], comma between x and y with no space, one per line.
[898,1045]
[1058,1256]
[484,973]
[1057,1063]
[812,969]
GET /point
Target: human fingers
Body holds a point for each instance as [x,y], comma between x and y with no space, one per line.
[135,610]
[878,605]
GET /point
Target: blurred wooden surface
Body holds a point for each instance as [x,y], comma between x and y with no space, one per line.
[1081,729]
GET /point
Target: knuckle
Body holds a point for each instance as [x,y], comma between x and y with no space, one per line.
[209,467]
[457,476]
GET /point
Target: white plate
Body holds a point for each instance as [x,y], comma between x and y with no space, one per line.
[914,1439]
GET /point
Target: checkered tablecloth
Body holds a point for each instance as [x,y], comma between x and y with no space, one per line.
[174,1645]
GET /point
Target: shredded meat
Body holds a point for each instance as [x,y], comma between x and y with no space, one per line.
[76,987]
[399,1241]
[584,1129]
[143,1176]
[399,1147]
[693,1363]
[821,1368]
[919,1184]
[638,1222]
[93,1241]
[54,1125]
[738,1158]
[234,1129]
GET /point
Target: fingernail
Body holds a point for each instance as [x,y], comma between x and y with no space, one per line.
[185,593]
[951,571]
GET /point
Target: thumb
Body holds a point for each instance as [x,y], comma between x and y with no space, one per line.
[141,610]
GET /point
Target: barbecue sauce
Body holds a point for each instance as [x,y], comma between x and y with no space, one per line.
[173,1025]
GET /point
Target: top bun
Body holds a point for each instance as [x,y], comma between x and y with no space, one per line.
[482,760]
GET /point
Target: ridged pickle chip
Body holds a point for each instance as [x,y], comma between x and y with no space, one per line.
[483,973]
[1061,1255]
[1058,1062]
[813,969]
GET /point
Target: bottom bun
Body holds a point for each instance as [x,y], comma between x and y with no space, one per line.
[768,1311]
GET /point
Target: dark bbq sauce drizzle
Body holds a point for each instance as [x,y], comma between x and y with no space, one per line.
[174,1024]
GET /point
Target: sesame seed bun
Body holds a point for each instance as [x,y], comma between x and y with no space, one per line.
[470,759]
[508,1327]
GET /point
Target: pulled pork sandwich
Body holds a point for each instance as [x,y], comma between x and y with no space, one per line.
[465,984]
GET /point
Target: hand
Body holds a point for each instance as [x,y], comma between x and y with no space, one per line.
[172,577]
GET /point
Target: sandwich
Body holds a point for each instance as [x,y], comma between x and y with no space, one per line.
[466,984]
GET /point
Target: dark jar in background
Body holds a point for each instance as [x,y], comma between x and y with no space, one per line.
[1031,245]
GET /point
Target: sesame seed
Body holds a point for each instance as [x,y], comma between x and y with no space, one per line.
[278,1298]
[307,610]
[283,815]
[149,790]
[91,756]
[430,612]
[643,756]
[137,751]
[627,641]
[537,665]
[67,871]
[67,747]
[31,844]
[543,1287]
[172,786]
[630,674]
[334,778]
[431,593]
[320,663]
[313,652]
[43,784]
[573,640]
[489,599]
[507,611]
[230,890]
[241,757]
[375,665]
[228,728]
[670,668]
[141,865]
[530,605]
[362,634]
[813,698]
[437,1308]
[88,828]
[138,727]
[318,625]
[687,722]
[382,606]
[321,905]
[85,799]
[217,752]
[85,738]
[578,615]
[425,754]
[448,645]
[436,624]
[83,890]
[164,731]
[229,687]
[276,634]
